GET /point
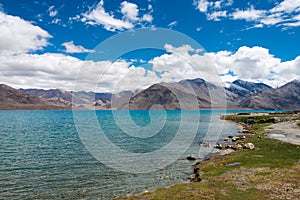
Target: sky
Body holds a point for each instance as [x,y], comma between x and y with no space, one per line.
[115,45]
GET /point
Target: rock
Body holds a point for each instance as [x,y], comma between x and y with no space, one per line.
[243,137]
[191,157]
[205,144]
[245,131]
[235,138]
[195,178]
[249,146]
[226,139]
[219,146]
[273,120]
[238,147]
[82,192]
[262,121]
[233,164]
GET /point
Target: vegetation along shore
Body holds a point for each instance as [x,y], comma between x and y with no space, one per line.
[264,163]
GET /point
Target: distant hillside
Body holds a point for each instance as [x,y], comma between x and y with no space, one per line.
[286,97]
[169,96]
[11,98]
[245,88]
[187,94]
[68,98]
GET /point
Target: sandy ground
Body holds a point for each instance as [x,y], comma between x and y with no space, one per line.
[285,131]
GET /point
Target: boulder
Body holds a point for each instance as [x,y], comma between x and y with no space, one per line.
[226,139]
[219,146]
[249,146]
[238,147]
[235,138]
[191,157]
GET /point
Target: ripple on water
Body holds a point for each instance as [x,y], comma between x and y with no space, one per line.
[42,157]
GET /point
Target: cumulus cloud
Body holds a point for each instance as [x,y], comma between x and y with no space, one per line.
[72,48]
[20,36]
[184,63]
[130,19]
[283,14]
[129,10]
[255,64]
[61,71]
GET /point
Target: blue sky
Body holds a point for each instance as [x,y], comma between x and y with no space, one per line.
[44,44]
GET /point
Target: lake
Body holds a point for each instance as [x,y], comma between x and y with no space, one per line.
[101,154]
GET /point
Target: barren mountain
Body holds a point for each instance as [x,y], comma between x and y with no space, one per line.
[286,97]
[11,98]
[188,94]
[68,98]
[246,88]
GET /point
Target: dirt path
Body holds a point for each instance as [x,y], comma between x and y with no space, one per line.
[285,131]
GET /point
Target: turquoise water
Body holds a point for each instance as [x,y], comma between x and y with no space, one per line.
[43,156]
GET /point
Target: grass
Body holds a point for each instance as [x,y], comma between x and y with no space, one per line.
[271,155]
[259,128]
[272,163]
[241,117]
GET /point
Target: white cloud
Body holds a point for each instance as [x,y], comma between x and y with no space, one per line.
[129,10]
[184,63]
[172,24]
[203,5]
[216,16]
[56,21]
[147,18]
[99,16]
[60,71]
[198,28]
[283,14]
[52,11]
[130,19]
[19,36]
[287,6]
[255,64]
[72,48]
[207,7]
[249,14]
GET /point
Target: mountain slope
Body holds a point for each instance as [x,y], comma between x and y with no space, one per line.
[169,96]
[246,88]
[11,98]
[67,98]
[286,97]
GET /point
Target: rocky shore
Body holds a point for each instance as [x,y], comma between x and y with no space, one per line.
[250,165]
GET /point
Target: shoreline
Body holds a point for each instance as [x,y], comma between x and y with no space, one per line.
[219,161]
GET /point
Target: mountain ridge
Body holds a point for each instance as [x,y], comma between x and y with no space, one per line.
[188,94]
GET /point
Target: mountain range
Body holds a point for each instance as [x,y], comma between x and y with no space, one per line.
[189,94]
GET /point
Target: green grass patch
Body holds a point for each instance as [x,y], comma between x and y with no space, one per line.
[269,155]
[259,128]
[273,154]
[207,190]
